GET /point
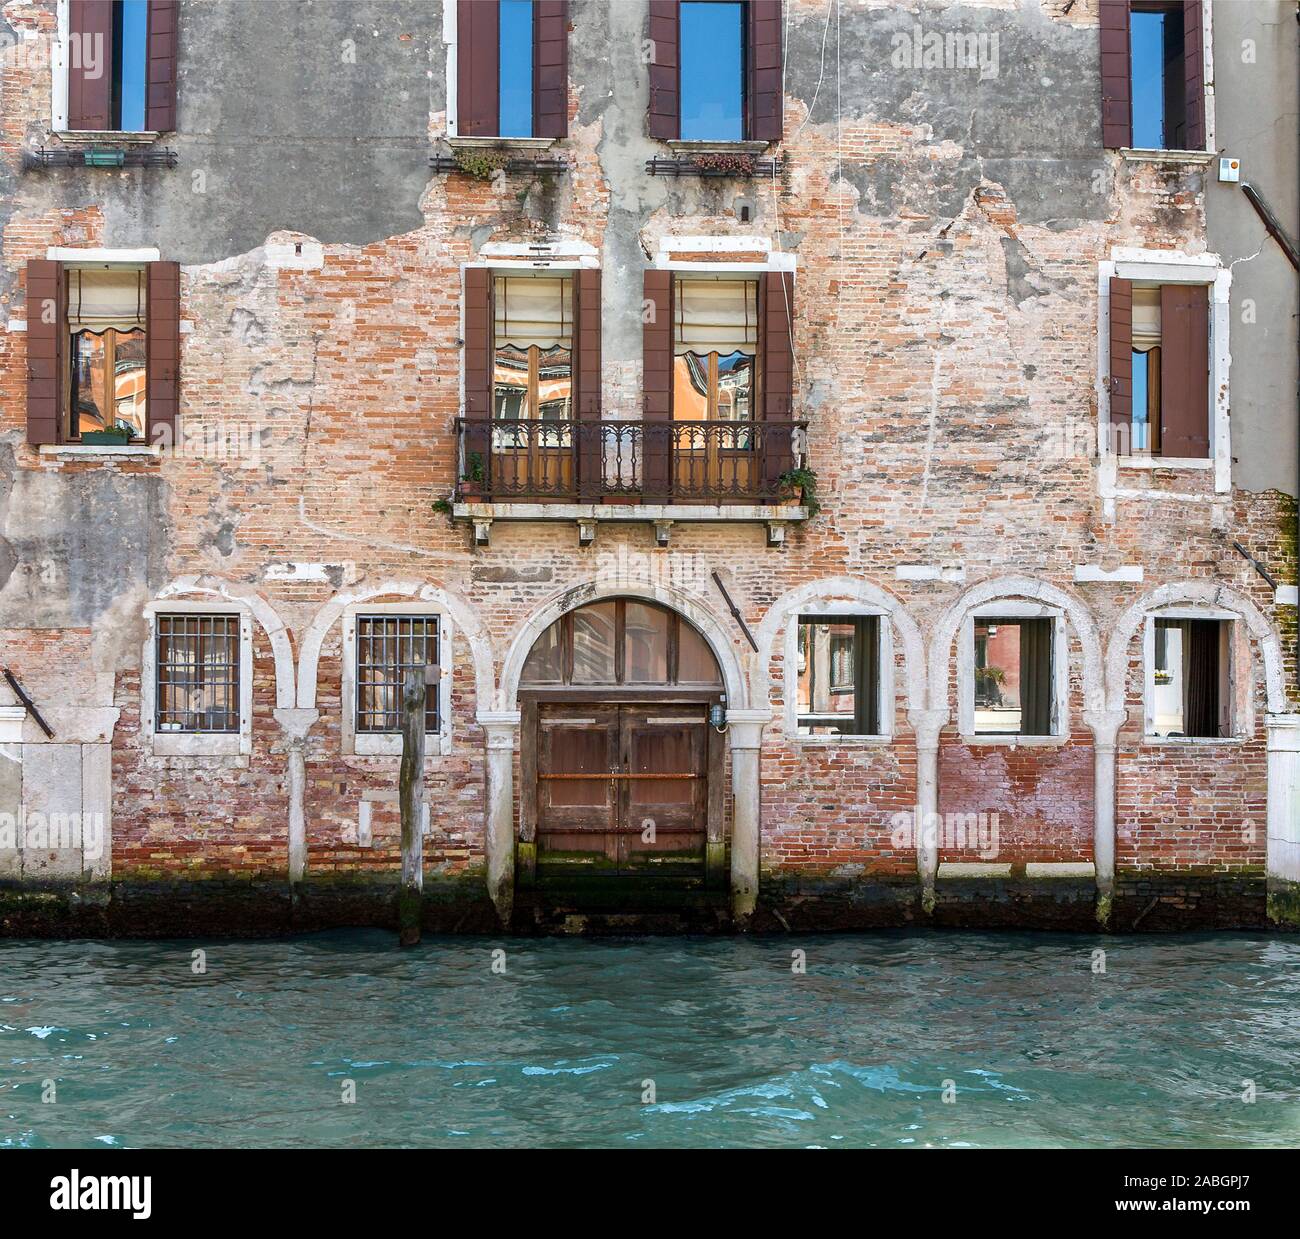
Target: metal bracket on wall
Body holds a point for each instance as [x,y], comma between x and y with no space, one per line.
[28,704]
[735,612]
[100,157]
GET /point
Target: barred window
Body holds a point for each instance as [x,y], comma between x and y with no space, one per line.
[388,646]
[197,673]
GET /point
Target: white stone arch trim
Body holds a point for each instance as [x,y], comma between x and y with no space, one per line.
[1012,587]
[1209,594]
[710,627]
[466,622]
[243,596]
[863,598]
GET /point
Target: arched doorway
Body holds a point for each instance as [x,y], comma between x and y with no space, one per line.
[621,769]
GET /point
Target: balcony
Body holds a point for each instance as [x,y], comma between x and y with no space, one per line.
[593,472]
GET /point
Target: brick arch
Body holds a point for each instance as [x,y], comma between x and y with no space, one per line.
[466,621]
[1204,593]
[945,633]
[262,611]
[690,608]
[832,589]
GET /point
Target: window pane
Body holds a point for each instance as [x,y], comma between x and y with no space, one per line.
[197,684]
[516,69]
[646,644]
[827,698]
[593,644]
[131,22]
[695,661]
[1167,697]
[712,46]
[544,665]
[387,648]
[997,676]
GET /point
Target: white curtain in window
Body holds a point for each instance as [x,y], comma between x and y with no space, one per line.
[533,309]
[100,298]
[715,316]
[1146,317]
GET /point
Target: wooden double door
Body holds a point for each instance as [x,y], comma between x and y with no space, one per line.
[623,789]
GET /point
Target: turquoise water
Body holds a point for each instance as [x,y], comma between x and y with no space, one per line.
[742,1051]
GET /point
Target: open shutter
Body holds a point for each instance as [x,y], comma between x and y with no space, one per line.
[550,68]
[1121,364]
[1193,76]
[478,35]
[776,357]
[1116,75]
[1184,371]
[478,370]
[1036,676]
[765,94]
[163,333]
[657,383]
[665,96]
[46,332]
[586,287]
[160,91]
[90,64]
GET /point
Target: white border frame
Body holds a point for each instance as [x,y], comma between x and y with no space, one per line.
[1241,718]
[1014,608]
[389,744]
[885,707]
[196,743]
[1168,267]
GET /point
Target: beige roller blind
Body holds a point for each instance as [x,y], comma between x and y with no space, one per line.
[715,316]
[533,310]
[100,298]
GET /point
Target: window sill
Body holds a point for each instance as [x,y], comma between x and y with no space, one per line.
[695,146]
[510,144]
[99,137]
[200,744]
[843,742]
[1165,462]
[435,745]
[1208,742]
[1011,740]
[80,451]
[1142,154]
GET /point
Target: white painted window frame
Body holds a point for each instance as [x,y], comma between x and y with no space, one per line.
[1241,714]
[1012,608]
[60,60]
[1203,154]
[885,706]
[196,743]
[389,744]
[1168,267]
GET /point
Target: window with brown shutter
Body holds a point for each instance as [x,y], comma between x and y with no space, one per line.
[512,68]
[46,328]
[1160,369]
[776,366]
[657,379]
[164,345]
[587,376]
[122,65]
[1152,74]
[715,70]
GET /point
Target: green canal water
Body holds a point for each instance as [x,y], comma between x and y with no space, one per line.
[743,1051]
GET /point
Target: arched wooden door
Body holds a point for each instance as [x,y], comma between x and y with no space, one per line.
[621,768]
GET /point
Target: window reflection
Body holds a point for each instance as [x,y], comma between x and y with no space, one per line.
[515,69]
[107,354]
[712,56]
[532,358]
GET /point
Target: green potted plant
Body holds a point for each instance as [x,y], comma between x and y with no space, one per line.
[801,483]
[471,481]
[113,433]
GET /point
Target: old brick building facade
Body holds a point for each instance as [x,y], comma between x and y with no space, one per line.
[886,437]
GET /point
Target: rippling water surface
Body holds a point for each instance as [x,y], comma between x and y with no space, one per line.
[1042,1049]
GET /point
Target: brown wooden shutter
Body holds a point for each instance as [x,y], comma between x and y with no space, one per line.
[1194,76]
[160,91]
[478,342]
[586,287]
[478,36]
[47,329]
[765,93]
[776,359]
[90,64]
[1184,371]
[163,333]
[665,96]
[550,68]
[657,383]
[1121,365]
[1116,75]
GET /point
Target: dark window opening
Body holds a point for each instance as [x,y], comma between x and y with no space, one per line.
[1014,676]
[1190,684]
[839,676]
[621,641]
[1156,49]
[515,69]
[712,71]
[197,678]
[388,647]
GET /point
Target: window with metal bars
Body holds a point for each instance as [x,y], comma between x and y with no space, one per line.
[388,646]
[197,673]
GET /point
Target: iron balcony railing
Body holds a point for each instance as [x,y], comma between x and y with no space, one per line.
[507,460]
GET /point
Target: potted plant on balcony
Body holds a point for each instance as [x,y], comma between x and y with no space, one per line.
[471,480]
[801,484]
[113,433]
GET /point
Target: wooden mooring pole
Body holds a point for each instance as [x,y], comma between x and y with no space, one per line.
[411,797]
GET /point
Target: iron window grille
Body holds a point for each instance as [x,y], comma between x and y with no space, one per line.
[197,684]
[388,646]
